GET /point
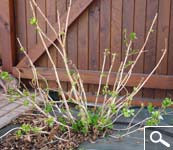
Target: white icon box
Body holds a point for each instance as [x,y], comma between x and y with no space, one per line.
[155,132]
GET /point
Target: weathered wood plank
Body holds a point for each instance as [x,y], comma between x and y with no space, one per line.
[83,43]
[3,102]
[92,77]
[21,24]
[7,29]
[139,29]
[77,8]
[8,108]
[94,29]
[150,55]
[12,110]
[116,31]
[31,32]
[135,102]
[43,60]
[72,50]
[61,7]
[128,27]
[162,35]
[170,51]
[105,14]
[51,9]
[6,119]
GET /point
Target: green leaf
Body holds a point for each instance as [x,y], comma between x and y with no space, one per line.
[22,49]
[93,118]
[33,21]
[152,122]
[155,114]
[35,129]
[129,63]
[128,112]
[132,36]
[105,90]
[103,74]
[167,102]
[50,121]
[72,72]
[61,33]
[48,108]
[18,133]
[151,30]
[150,108]
[26,128]
[113,108]
[25,102]
[4,75]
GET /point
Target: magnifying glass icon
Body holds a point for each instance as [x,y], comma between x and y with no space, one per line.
[160,140]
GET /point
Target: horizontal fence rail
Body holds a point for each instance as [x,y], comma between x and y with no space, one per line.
[92,77]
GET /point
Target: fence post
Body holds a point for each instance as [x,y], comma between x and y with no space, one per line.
[7,34]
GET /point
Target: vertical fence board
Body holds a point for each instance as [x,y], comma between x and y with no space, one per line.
[72,46]
[72,43]
[170,50]
[139,29]
[116,30]
[128,22]
[31,32]
[163,30]
[61,7]
[7,32]
[105,9]
[94,20]
[21,31]
[150,55]
[52,17]
[83,43]
[128,25]
[42,61]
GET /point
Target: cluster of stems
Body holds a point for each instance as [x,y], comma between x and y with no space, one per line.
[112,99]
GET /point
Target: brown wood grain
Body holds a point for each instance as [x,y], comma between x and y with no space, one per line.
[105,22]
[94,30]
[116,31]
[31,32]
[52,17]
[7,31]
[139,29]
[137,101]
[77,8]
[83,43]
[100,26]
[163,31]
[43,60]
[150,55]
[72,46]
[21,23]
[92,77]
[170,50]
[128,25]
[128,22]
[61,7]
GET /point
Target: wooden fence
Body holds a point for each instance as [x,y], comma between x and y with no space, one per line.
[94,25]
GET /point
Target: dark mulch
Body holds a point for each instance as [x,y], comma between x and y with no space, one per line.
[42,141]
